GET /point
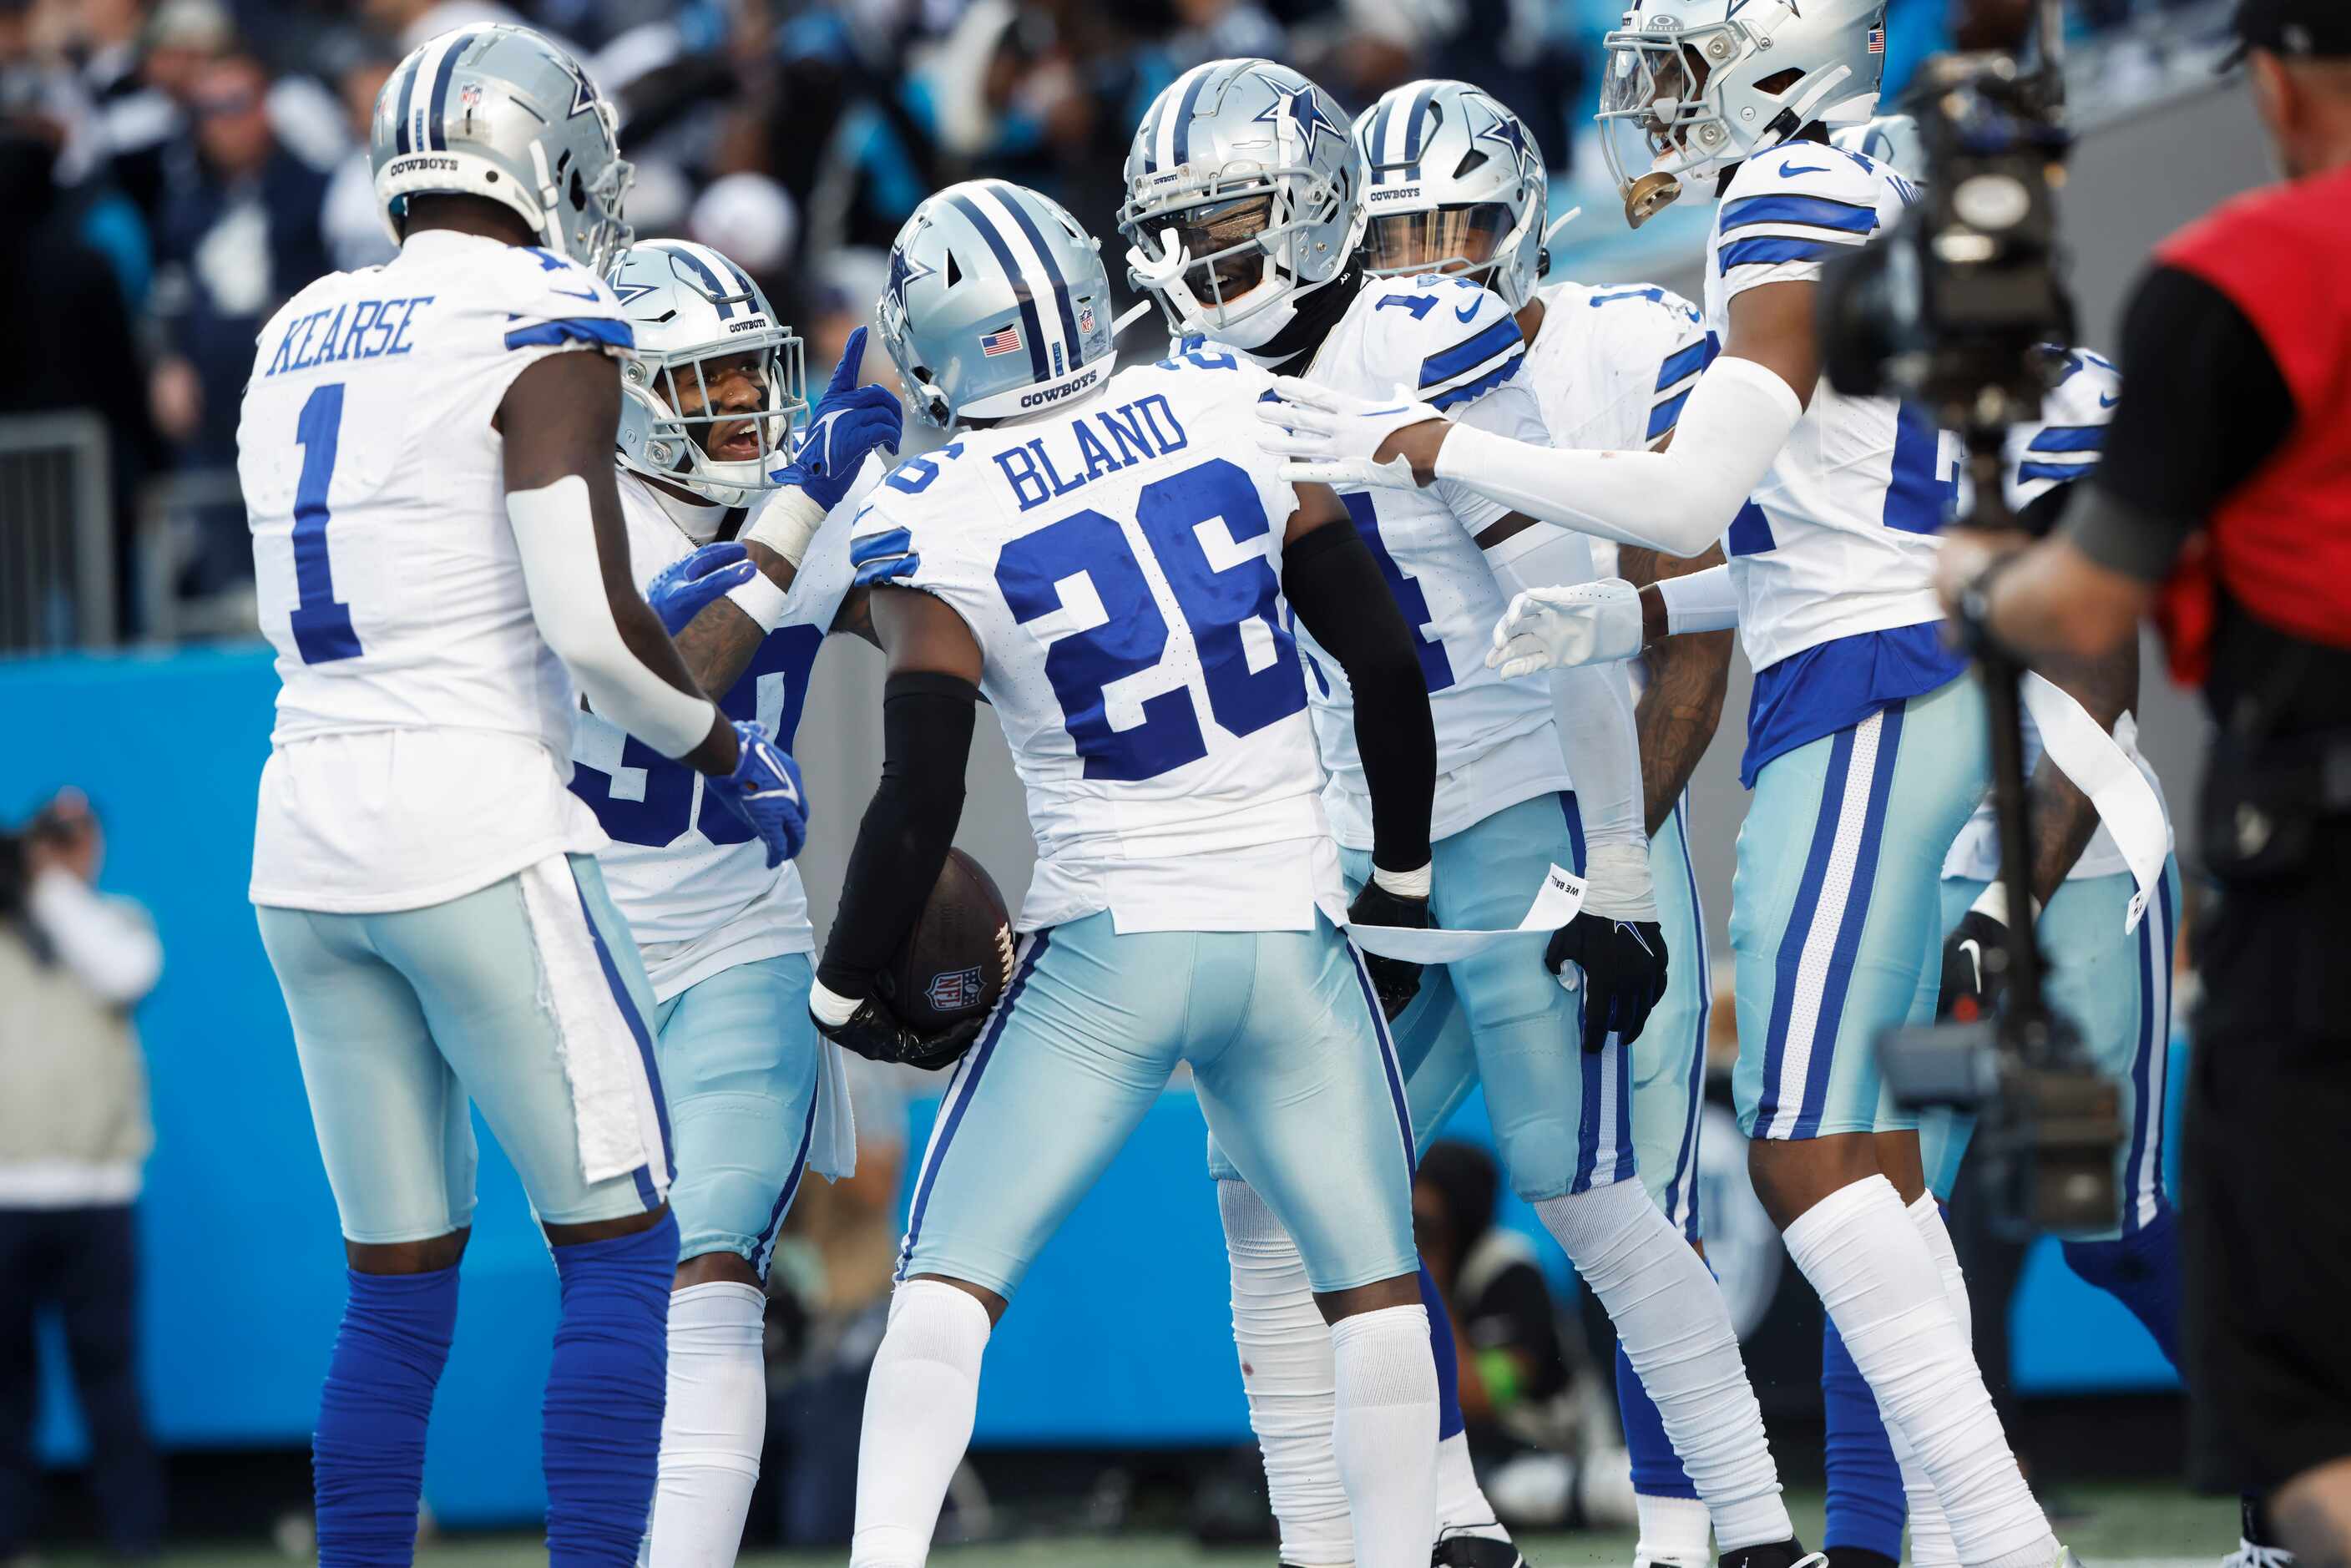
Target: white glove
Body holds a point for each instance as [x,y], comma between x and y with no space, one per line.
[1560,628]
[1327,437]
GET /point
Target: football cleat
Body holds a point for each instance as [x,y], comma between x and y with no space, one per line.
[1462,1550]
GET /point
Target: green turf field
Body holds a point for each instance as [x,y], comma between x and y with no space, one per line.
[2109,1526]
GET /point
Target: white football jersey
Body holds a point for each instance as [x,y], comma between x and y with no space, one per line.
[423,725]
[1611,369]
[1119,564]
[2064,446]
[688,874]
[1452,342]
[1840,537]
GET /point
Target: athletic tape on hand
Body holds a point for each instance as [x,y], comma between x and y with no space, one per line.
[2106,769]
[1555,903]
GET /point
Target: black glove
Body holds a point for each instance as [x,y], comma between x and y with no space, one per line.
[1624,964]
[1396,981]
[877,1034]
[1975,969]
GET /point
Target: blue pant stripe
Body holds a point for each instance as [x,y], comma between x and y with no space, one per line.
[1574,815]
[1587,1129]
[637,1030]
[767,1248]
[1849,929]
[1626,1164]
[1790,958]
[1388,1064]
[952,1113]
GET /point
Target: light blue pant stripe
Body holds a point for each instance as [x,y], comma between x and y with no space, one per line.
[791,1190]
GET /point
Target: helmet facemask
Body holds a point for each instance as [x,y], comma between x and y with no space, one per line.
[583,218]
[1220,255]
[722,447]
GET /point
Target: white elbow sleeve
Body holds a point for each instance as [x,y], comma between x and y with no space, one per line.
[556,537]
[1700,602]
[1679,500]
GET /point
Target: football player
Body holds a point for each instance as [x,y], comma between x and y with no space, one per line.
[1866,746]
[1246,202]
[1101,553]
[1610,369]
[710,392]
[425,452]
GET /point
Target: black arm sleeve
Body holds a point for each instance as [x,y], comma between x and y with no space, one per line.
[926,722]
[1335,586]
[2203,405]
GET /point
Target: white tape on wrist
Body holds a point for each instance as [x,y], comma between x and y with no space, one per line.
[1406,884]
[1993,901]
[1620,885]
[831,1007]
[762,601]
[786,524]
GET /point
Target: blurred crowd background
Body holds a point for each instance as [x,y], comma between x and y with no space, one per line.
[172,170]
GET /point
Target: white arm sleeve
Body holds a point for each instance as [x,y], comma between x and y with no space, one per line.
[1700,601]
[1595,703]
[109,945]
[559,567]
[1679,500]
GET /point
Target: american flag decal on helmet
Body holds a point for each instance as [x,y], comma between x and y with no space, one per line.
[1005,339]
[1877,40]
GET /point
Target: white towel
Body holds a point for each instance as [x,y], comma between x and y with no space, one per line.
[832,1142]
[2106,768]
[613,1103]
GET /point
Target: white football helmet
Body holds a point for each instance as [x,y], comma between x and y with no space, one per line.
[1694,86]
[693,311]
[1449,176]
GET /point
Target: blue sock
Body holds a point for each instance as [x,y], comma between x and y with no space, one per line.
[1656,1468]
[1866,1506]
[2141,1271]
[1448,1366]
[367,1457]
[604,1395]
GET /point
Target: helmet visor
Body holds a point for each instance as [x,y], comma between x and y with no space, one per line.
[1222,239]
[1447,239]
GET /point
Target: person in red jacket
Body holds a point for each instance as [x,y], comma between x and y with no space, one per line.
[2223,510]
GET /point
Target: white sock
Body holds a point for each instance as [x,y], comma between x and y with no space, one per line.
[1461,1505]
[1931,1545]
[1672,1529]
[1286,1371]
[1384,1432]
[919,1404]
[1927,1215]
[1883,1290]
[1671,1320]
[712,1426]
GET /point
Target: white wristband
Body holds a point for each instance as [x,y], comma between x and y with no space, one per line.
[786,524]
[1406,884]
[1993,901]
[1617,881]
[831,1007]
[762,601]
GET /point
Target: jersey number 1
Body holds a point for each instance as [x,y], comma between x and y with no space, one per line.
[322,623]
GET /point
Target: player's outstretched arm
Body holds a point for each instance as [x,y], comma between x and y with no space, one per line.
[1334,585]
[928,703]
[1679,501]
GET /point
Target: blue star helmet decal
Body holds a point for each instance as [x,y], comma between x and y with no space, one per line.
[583,96]
[1304,108]
[903,270]
[1507,130]
[629,293]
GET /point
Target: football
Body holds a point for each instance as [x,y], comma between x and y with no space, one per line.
[958,958]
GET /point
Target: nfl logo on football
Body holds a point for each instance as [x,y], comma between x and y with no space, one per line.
[954,989]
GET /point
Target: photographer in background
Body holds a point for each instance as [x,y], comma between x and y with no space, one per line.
[74,1133]
[2223,509]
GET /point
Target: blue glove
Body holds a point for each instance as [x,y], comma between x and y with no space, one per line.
[680,590]
[848,423]
[765,791]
